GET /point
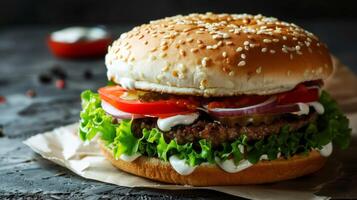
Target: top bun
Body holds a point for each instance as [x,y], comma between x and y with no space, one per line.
[217,55]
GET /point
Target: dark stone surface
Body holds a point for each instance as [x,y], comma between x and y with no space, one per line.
[23,174]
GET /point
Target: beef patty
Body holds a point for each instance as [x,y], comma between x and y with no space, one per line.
[218,133]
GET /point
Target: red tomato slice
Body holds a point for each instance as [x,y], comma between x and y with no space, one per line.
[300,93]
[79,49]
[165,108]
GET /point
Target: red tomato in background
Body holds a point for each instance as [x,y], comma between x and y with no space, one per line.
[80,49]
[160,108]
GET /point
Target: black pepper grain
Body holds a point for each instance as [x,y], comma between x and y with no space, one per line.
[45,78]
[58,72]
[88,74]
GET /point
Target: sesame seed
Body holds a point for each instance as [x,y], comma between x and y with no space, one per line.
[199,42]
[193,50]
[146,42]
[175,73]
[231,73]
[182,52]
[258,70]
[163,43]
[205,61]
[266,40]
[307,43]
[246,43]
[239,49]
[153,49]
[297,47]
[246,48]
[229,43]
[264,49]
[243,56]
[275,40]
[166,68]
[241,63]
[217,37]
[284,37]
[141,36]
[186,29]
[201,46]
[224,54]
[226,35]
[162,55]
[284,50]
[272,51]
[189,39]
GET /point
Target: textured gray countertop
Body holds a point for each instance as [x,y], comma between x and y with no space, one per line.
[24,55]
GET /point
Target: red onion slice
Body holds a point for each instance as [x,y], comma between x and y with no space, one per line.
[295,108]
[249,110]
[116,113]
[263,108]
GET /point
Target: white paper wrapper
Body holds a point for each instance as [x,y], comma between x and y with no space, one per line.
[63,147]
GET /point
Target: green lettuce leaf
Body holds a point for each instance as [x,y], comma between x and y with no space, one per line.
[332,126]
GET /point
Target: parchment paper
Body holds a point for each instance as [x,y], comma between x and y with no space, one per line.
[63,147]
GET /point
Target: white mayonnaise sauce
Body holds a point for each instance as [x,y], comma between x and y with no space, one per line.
[326,150]
[304,109]
[165,124]
[128,158]
[317,106]
[180,166]
[264,157]
[230,167]
[113,111]
[127,83]
[75,34]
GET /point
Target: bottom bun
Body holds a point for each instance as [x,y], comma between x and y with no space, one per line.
[208,175]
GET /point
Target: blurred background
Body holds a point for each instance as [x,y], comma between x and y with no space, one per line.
[335,22]
[139,11]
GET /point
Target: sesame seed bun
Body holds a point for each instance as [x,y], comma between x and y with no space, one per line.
[208,175]
[218,55]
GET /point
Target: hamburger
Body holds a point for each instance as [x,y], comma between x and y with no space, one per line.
[216,99]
